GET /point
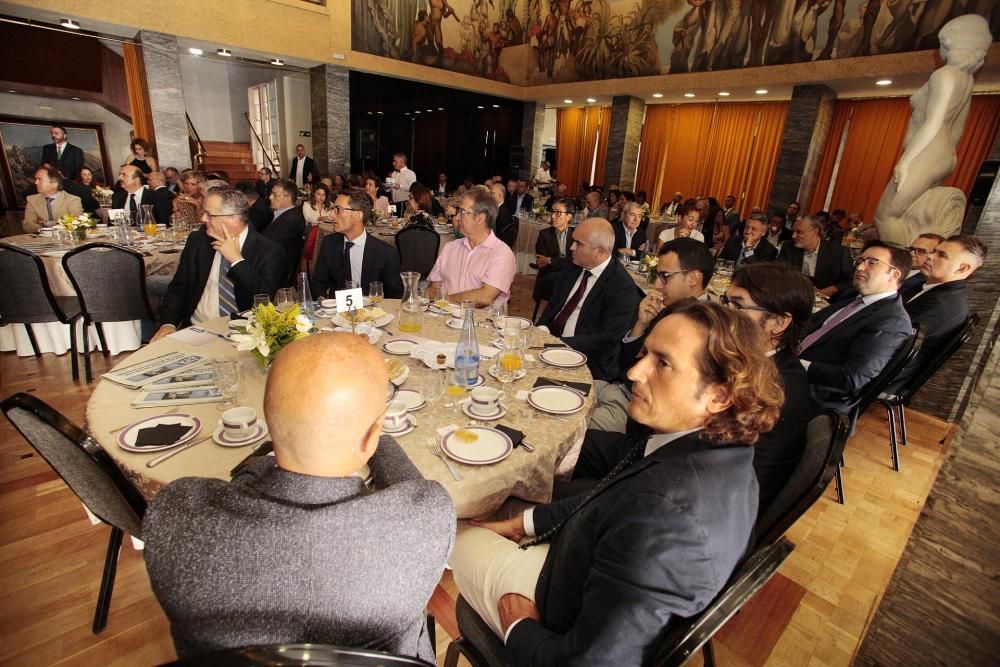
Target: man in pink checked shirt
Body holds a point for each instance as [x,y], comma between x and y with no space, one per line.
[479,267]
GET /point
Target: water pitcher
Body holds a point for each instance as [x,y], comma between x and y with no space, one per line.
[411,312]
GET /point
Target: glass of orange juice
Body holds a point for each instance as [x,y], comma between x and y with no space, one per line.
[149,228]
[510,361]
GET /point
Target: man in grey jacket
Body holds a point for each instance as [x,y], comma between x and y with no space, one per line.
[295,548]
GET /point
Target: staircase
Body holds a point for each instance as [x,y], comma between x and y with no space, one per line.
[235,159]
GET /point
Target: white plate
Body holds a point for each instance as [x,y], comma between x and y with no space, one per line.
[342,321]
[429,356]
[454,323]
[491,446]
[469,412]
[402,377]
[517,376]
[412,398]
[238,324]
[556,400]
[390,392]
[562,357]
[221,438]
[400,346]
[524,322]
[409,425]
[126,439]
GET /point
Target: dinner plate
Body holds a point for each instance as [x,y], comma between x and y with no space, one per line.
[556,400]
[411,398]
[408,425]
[497,414]
[222,438]
[400,346]
[490,445]
[127,438]
[454,323]
[342,321]
[563,357]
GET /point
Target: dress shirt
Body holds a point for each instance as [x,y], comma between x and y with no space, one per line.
[357,256]
[774,239]
[561,239]
[595,274]
[809,262]
[279,212]
[629,234]
[746,253]
[460,267]
[404,178]
[865,301]
[137,195]
[208,306]
[924,289]
[60,147]
[300,167]
[668,235]
[520,198]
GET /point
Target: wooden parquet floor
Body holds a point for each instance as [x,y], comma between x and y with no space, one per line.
[814,613]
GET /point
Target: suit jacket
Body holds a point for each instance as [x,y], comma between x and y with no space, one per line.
[71,162]
[506,224]
[941,311]
[380,263]
[547,245]
[659,541]
[258,273]
[777,453]
[278,557]
[163,206]
[36,212]
[599,212]
[605,316]
[912,285]
[288,230]
[309,168]
[637,239]
[762,252]
[526,204]
[90,204]
[833,265]
[851,354]
[263,189]
[261,214]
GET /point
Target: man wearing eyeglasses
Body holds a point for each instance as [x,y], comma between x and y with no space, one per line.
[848,343]
[351,254]
[751,247]
[552,248]
[921,248]
[287,227]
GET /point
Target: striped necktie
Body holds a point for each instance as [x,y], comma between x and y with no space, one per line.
[227,291]
[49,203]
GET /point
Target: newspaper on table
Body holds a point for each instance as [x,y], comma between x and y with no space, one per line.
[199,376]
[144,372]
[156,399]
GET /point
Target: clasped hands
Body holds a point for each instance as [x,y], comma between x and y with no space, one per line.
[512,606]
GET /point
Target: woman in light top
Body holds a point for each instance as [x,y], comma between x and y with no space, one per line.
[379,203]
[688,221]
[318,209]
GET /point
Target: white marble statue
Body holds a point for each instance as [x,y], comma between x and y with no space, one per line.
[913,202]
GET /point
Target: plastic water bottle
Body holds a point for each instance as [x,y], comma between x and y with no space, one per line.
[467,349]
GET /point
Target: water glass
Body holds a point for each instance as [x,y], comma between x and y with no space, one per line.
[285,298]
[375,292]
[261,300]
[422,288]
[498,316]
[227,379]
[350,284]
[432,385]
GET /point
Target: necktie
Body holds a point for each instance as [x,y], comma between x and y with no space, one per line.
[59,150]
[133,210]
[347,261]
[559,323]
[830,323]
[227,291]
[630,457]
[49,202]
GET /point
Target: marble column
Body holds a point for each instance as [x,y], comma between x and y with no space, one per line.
[166,98]
[807,127]
[330,88]
[532,125]
[627,114]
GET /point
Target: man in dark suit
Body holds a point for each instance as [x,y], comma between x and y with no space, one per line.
[752,247]
[595,301]
[828,265]
[133,193]
[62,154]
[287,228]
[506,225]
[223,265]
[173,178]
[848,343]
[630,233]
[520,200]
[609,570]
[731,214]
[86,195]
[552,248]
[301,167]
[922,247]
[302,526]
[777,234]
[365,260]
[163,198]
[264,183]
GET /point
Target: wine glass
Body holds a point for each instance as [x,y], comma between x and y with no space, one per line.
[498,316]
[227,379]
[375,292]
[285,298]
[432,385]
[455,388]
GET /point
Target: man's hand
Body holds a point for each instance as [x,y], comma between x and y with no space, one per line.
[542,261]
[229,247]
[165,330]
[512,529]
[513,607]
[649,308]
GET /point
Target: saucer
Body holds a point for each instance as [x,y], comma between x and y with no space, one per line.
[454,323]
[520,374]
[469,412]
[221,438]
[413,399]
[409,424]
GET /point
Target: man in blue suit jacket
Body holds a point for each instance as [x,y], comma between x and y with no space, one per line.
[661,533]
[62,154]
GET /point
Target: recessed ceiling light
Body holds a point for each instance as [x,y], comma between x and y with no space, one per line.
[591,100]
[195,52]
[75,98]
[370,113]
[884,82]
[657,95]
[430,110]
[568,101]
[761,91]
[12,91]
[496,106]
[380,113]
[277,61]
[480,106]
[440,108]
[417,111]
[70,23]
[723,93]
[406,113]
[688,94]
[226,53]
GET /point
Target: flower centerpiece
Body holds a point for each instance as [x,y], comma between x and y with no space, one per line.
[269,330]
[103,195]
[648,266]
[77,225]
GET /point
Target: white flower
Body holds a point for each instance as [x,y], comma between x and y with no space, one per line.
[253,339]
[302,324]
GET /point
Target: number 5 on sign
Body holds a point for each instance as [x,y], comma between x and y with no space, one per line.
[349,299]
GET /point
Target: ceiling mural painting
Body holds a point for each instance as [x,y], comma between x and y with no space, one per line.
[534,42]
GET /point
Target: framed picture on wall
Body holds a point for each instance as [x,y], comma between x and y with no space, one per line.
[23,140]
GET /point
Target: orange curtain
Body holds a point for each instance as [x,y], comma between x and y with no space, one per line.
[764,158]
[655,137]
[138,96]
[977,139]
[601,124]
[578,132]
[841,112]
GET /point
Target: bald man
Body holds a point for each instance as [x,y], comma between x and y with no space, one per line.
[295,548]
[595,301]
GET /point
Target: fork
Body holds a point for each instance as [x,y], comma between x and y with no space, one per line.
[435,449]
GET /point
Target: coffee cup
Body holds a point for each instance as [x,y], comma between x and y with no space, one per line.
[395,416]
[239,422]
[486,400]
[328,304]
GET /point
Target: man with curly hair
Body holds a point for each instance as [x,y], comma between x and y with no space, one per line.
[668,522]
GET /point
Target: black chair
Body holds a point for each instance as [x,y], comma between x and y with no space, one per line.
[418,249]
[282,655]
[33,302]
[897,396]
[89,472]
[110,283]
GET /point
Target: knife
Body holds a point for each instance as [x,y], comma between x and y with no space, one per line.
[160,459]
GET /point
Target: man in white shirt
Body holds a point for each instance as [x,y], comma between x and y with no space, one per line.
[922,247]
[670,208]
[133,192]
[301,167]
[402,178]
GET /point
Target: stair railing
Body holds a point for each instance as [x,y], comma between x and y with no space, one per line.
[198,152]
[274,164]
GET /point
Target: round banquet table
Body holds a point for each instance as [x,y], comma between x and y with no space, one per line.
[527,475]
[161,259]
[528,228]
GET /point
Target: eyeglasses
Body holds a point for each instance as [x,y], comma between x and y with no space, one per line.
[667,275]
[556,211]
[920,251]
[737,305]
[872,262]
[462,212]
[217,215]
[337,209]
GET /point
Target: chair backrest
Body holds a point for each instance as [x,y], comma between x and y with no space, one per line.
[32,301]
[418,249]
[281,655]
[826,435]
[110,282]
[899,360]
[80,461]
[931,366]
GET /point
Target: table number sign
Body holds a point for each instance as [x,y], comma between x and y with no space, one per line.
[349,299]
